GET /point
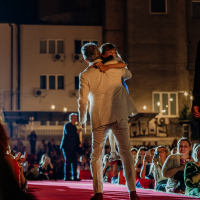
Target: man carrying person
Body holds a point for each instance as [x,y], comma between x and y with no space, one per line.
[110,106]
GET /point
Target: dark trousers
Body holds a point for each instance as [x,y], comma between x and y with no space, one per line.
[32,147]
[70,159]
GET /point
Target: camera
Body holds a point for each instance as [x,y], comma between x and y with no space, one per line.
[156,154]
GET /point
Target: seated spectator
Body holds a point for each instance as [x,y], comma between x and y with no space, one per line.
[19,145]
[134,153]
[18,170]
[159,158]
[106,168]
[192,174]
[174,151]
[83,165]
[147,178]
[43,147]
[139,161]
[174,165]
[51,146]
[45,168]
[117,167]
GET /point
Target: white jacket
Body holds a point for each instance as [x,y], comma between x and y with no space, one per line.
[109,100]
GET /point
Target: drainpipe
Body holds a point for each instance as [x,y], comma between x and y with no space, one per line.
[11,75]
[18,66]
[11,66]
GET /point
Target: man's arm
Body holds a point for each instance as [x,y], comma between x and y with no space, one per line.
[83,99]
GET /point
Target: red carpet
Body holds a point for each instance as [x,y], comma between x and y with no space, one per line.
[70,190]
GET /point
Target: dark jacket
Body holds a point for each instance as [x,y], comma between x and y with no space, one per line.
[70,140]
[196,88]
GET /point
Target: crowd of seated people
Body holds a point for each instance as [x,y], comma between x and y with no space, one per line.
[158,168]
[175,170]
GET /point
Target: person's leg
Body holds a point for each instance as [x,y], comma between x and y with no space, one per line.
[120,130]
[99,136]
[112,143]
[67,165]
[74,161]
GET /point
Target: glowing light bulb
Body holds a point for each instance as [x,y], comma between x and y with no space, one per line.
[144,107]
[171,99]
[191,97]
[185,93]
[65,109]
[158,103]
[53,107]
[167,106]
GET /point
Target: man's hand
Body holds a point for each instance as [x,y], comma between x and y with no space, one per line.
[195,112]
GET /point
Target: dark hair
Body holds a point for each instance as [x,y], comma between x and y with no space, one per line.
[187,140]
[107,47]
[134,149]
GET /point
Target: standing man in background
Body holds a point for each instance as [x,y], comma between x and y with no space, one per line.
[69,145]
[32,139]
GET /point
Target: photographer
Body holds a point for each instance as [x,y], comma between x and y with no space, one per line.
[174,165]
[159,158]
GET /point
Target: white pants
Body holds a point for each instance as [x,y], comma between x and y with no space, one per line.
[99,136]
[112,142]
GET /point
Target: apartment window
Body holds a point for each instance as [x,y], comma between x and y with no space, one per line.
[52,46]
[80,43]
[60,82]
[76,83]
[158,6]
[43,46]
[165,103]
[51,82]
[43,82]
[196,8]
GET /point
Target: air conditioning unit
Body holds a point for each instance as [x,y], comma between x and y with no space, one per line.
[58,56]
[77,57]
[74,93]
[40,93]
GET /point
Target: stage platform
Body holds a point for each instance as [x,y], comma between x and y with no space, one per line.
[71,190]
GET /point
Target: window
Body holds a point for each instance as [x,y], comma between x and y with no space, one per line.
[52,82]
[80,43]
[158,6]
[60,82]
[165,103]
[76,83]
[196,8]
[43,82]
[52,46]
